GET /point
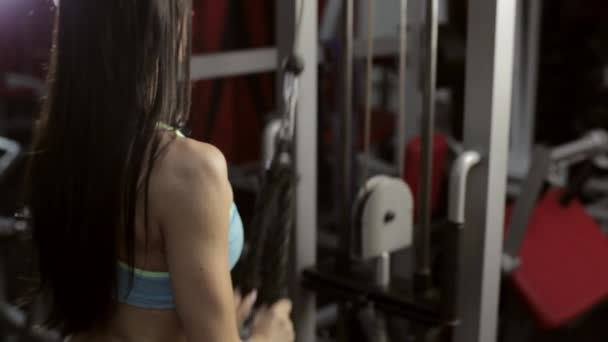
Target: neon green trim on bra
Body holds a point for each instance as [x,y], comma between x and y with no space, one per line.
[143,273]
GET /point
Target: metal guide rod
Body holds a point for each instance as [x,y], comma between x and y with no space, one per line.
[423,261]
[369,87]
[347,109]
[400,150]
[383,279]
[347,144]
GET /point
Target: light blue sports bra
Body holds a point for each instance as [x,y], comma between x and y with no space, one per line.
[153,290]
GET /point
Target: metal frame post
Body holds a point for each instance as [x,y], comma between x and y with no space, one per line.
[288,20]
[489,76]
[525,82]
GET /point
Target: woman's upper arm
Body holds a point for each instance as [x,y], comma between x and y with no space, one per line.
[197,199]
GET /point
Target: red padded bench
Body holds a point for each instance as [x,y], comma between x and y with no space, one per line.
[564,262]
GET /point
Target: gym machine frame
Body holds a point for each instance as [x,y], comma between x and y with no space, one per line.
[489,81]
[525,83]
[487,114]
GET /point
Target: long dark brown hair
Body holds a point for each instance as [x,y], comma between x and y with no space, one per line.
[118,68]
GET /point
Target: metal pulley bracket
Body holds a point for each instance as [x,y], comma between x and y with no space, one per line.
[383,217]
[292,68]
[278,132]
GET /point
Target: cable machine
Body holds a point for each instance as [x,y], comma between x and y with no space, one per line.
[471,237]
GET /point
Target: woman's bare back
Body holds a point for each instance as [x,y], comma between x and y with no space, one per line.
[132,324]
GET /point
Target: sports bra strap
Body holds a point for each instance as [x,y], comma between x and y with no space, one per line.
[164,126]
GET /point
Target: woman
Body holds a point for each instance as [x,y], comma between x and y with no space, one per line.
[134,224]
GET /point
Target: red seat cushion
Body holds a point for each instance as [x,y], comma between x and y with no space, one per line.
[564,270]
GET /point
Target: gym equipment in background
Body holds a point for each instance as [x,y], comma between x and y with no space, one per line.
[554,253]
[14,321]
[19,95]
[383,210]
[381,222]
[9,151]
[228,111]
[452,240]
[383,218]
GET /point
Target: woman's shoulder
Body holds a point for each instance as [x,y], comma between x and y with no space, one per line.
[187,159]
[189,169]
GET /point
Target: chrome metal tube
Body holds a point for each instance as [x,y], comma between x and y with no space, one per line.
[423,261]
[347,139]
[400,149]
